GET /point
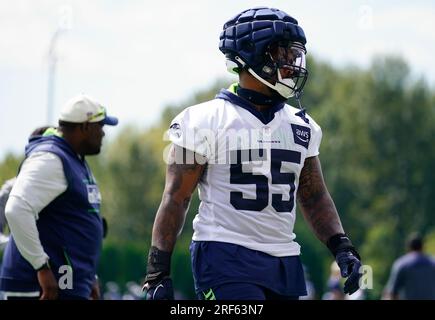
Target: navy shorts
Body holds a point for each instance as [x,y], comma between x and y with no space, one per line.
[231,271]
[241,291]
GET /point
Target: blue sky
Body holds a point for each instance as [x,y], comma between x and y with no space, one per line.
[138,56]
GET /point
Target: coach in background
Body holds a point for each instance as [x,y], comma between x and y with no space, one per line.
[412,275]
[53,210]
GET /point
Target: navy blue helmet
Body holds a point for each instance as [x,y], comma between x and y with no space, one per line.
[264,40]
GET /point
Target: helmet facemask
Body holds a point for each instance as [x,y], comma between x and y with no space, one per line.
[284,69]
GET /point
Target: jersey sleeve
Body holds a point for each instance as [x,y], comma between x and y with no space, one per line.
[192,129]
[315,140]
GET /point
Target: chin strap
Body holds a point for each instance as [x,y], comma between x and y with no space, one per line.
[281,88]
[303,112]
[298,96]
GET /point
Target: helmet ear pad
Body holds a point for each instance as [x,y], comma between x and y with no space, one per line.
[268,69]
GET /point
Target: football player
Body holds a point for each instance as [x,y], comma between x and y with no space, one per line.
[251,155]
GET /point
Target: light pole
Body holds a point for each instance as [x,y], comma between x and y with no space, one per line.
[52,60]
[65,24]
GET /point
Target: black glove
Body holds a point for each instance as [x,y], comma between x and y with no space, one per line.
[348,261]
[158,284]
[163,290]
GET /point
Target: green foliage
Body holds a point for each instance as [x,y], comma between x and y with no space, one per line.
[377,155]
[122,261]
[9,167]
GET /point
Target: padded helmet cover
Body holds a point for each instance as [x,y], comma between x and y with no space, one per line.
[250,33]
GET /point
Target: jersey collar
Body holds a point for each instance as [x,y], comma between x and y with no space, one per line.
[265,116]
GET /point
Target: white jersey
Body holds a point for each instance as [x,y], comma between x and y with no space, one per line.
[248,189]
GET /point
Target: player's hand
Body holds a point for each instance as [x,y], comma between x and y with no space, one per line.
[158,284]
[349,265]
[48,283]
[159,289]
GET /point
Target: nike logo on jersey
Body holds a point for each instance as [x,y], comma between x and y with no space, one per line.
[155,291]
[301,135]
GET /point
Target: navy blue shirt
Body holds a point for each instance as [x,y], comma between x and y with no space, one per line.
[70,228]
[413,277]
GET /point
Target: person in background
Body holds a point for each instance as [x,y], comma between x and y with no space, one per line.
[334,287]
[6,188]
[412,275]
[4,195]
[53,210]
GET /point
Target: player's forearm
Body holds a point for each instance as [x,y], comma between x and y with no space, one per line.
[169,222]
[322,217]
[316,203]
[181,181]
